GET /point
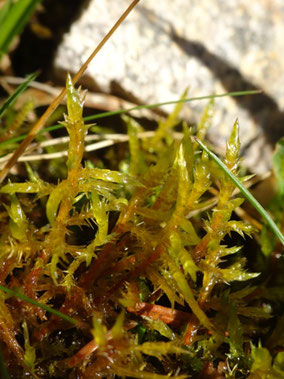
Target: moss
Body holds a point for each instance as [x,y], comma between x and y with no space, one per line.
[163,265]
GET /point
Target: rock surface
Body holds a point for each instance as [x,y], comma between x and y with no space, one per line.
[212,46]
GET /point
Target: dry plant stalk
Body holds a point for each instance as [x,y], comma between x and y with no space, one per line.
[138,272]
[40,123]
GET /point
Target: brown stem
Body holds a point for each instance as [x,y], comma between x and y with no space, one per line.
[40,123]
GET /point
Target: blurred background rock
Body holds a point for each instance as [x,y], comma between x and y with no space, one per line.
[210,46]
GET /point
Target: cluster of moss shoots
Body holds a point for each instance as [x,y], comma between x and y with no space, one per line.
[136,272]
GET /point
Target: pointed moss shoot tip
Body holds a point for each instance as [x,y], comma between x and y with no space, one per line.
[244,191]
[136,108]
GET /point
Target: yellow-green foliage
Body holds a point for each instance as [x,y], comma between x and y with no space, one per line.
[156,280]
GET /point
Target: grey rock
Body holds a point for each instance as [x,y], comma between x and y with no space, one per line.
[212,46]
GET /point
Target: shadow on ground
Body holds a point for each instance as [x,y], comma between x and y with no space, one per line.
[35,52]
[262,107]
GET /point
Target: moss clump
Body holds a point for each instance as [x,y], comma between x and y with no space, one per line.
[145,264]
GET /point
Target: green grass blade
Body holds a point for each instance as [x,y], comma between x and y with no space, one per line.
[138,107]
[3,369]
[186,100]
[245,192]
[32,301]
[4,11]
[16,16]
[12,98]
[278,166]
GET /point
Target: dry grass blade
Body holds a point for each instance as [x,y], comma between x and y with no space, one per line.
[45,93]
[107,140]
[40,123]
